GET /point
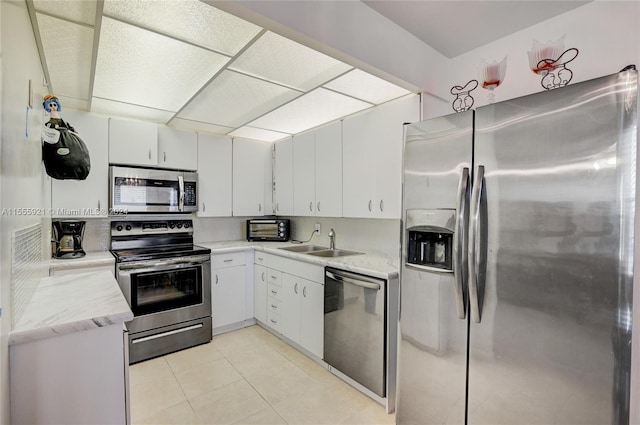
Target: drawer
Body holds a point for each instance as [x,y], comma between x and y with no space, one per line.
[274,291]
[274,276]
[274,320]
[260,258]
[273,305]
[231,259]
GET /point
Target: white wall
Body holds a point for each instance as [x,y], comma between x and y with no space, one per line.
[22,181]
[605,32]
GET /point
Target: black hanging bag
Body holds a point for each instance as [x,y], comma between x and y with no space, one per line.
[65,155]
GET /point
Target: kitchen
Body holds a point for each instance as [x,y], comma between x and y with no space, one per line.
[605,49]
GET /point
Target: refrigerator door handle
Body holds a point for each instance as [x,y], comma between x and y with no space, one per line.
[476,279]
[460,258]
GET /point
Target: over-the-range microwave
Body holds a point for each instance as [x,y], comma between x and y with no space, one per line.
[268,229]
[151,190]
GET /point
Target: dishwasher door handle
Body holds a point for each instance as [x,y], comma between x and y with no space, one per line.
[359,281]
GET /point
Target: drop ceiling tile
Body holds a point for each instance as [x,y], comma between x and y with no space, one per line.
[68,50]
[286,62]
[148,69]
[367,87]
[199,126]
[247,132]
[125,110]
[311,110]
[189,20]
[234,99]
[81,11]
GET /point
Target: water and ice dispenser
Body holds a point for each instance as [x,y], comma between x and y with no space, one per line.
[429,239]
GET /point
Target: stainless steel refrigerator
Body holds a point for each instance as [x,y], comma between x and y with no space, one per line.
[517,260]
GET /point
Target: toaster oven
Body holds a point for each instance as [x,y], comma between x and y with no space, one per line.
[264,229]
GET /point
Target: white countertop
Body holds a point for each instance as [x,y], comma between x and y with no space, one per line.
[92,259]
[65,304]
[372,265]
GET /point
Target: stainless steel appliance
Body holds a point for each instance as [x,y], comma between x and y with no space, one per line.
[268,229]
[355,340]
[517,260]
[167,281]
[150,190]
[66,240]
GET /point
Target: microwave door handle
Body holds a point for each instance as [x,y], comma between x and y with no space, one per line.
[181,194]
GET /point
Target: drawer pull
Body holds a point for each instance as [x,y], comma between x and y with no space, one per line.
[274,321]
[275,307]
[273,277]
[229,260]
[274,292]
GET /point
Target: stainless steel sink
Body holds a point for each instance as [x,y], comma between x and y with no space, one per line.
[304,248]
[334,253]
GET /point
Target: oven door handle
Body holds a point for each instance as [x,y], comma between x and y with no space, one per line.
[170,264]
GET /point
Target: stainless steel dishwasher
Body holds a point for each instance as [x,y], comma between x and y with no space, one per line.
[355,327]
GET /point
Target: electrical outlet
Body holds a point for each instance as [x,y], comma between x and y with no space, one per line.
[317,227]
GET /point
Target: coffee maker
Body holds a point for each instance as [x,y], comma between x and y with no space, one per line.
[66,241]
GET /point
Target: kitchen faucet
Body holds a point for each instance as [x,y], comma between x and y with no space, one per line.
[332,239]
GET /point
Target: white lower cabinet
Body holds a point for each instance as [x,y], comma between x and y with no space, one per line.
[228,290]
[295,302]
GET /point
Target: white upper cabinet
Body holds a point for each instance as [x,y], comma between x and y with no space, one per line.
[251,168]
[317,172]
[177,149]
[133,142]
[283,174]
[304,178]
[147,144]
[329,170]
[372,159]
[214,176]
[89,197]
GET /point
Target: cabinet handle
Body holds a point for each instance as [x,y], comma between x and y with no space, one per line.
[318,206]
[370,204]
[259,206]
[273,321]
[228,261]
[304,292]
[149,153]
[311,206]
[204,207]
[381,205]
[295,288]
[216,279]
[263,276]
[98,205]
[274,292]
[277,206]
[164,156]
[273,277]
[275,307]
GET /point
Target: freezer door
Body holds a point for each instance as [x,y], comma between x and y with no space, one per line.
[433,341]
[550,332]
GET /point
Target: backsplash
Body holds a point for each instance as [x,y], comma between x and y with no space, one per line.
[26,262]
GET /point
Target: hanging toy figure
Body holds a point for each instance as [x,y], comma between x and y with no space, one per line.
[64,154]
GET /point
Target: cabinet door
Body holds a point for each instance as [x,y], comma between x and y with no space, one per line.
[133,142]
[328,154]
[283,173]
[290,306]
[304,191]
[90,197]
[357,166]
[177,149]
[387,148]
[312,317]
[214,176]
[260,292]
[249,160]
[228,295]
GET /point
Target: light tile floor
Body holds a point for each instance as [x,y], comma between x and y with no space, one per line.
[245,377]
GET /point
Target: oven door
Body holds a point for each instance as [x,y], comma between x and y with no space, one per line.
[165,292]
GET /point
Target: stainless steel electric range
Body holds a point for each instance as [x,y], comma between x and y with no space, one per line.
[167,281]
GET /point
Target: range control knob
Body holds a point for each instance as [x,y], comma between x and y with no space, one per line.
[186,225]
[172,225]
[119,227]
[128,227]
[179,225]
